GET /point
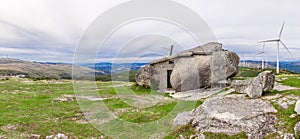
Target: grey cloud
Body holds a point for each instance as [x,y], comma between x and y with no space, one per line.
[49,30]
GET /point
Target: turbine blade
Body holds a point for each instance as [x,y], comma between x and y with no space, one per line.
[280,34]
[275,40]
[286,48]
[165,48]
[263,53]
[260,53]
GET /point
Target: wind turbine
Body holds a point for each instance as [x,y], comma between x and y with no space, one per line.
[263,56]
[170,49]
[278,41]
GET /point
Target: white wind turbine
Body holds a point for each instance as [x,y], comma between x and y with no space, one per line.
[278,41]
[263,56]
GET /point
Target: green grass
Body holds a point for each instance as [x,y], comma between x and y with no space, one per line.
[186,131]
[32,110]
[245,73]
[209,135]
[115,103]
[286,123]
[248,72]
[294,82]
[122,76]
[148,114]
[31,107]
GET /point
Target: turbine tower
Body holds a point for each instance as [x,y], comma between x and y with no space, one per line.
[263,56]
[170,49]
[278,41]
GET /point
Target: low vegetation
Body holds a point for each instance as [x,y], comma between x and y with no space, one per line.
[126,76]
[33,107]
[28,107]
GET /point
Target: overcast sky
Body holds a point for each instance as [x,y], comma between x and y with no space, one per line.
[48,30]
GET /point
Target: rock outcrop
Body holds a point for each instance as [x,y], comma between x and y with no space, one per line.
[288,136]
[297,128]
[255,87]
[231,115]
[200,67]
[143,77]
[191,73]
[297,107]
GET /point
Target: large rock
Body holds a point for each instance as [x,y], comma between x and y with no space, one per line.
[204,70]
[196,68]
[297,129]
[143,77]
[268,80]
[191,73]
[183,119]
[256,86]
[297,107]
[232,115]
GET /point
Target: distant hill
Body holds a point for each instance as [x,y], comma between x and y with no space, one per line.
[112,68]
[293,66]
[13,67]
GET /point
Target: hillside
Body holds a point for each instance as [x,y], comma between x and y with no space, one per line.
[293,66]
[13,67]
[40,109]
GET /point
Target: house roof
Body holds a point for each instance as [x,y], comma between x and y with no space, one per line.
[206,49]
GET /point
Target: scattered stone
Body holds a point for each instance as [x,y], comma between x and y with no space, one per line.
[82,121]
[193,137]
[280,87]
[92,98]
[287,101]
[34,136]
[102,136]
[9,127]
[181,137]
[293,115]
[194,95]
[66,98]
[60,136]
[49,137]
[233,114]
[255,87]
[297,128]
[272,97]
[3,137]
[201,136]
[297,107]
[288,136]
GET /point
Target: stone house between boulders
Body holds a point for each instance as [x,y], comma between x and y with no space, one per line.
[196,68]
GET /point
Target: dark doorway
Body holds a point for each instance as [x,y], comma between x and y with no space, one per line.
[169,72]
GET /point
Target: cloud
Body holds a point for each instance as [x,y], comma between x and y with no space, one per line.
[49,30]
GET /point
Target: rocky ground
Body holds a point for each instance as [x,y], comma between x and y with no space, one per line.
[49,109]
[259,107]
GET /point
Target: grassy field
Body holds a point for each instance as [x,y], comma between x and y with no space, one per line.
[47,107]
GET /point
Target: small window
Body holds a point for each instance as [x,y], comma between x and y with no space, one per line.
[171,62]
